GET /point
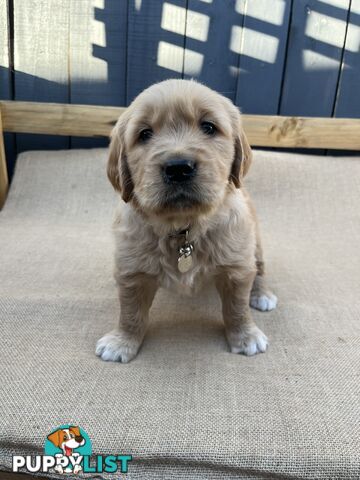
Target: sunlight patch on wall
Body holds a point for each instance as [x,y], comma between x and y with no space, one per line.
[87,44]
[355,7]
[96,68]
[353,39]
[254,44]
[98,33]
[316,61]
[172,57]
[173,19]
[325,29]
[336,3]
[138,4]
[193,62]
[235,39]
[260,10]
[234,71]
[197,26]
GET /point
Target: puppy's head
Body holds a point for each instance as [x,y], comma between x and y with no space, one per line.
[177,150]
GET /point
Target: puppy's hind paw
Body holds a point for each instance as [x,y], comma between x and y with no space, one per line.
[264,302]
[249,342]
[114,347]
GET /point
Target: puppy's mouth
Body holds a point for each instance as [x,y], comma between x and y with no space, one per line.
[181,198]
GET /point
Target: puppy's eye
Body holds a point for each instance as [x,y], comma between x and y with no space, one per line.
[208,128]
[145,134]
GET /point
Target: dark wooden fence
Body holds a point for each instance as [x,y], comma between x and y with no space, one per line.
[288,57]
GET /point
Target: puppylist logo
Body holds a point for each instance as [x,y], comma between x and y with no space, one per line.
[68,451]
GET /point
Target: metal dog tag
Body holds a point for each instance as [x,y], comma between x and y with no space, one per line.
[185,260]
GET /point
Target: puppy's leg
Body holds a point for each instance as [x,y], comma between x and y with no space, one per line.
[261,297]
[136,294]
[241,332]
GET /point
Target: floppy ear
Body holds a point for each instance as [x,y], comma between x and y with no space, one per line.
[75,431]
[56,438]
[117,168]
[242,158]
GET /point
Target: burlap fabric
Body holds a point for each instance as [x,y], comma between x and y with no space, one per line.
[185,408]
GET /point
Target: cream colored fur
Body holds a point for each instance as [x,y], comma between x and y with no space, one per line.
[222,220]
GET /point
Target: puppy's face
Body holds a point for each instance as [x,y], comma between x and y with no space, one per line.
[176,149]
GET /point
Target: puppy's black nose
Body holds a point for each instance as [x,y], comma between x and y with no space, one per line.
[179,170]
[79,439]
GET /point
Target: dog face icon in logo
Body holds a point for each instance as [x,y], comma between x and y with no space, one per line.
[67,440]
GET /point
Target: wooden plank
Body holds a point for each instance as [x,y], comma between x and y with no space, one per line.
[4,179]
[155,43]
[59,119]
[262,45]
[98,37]
[6,91]
[316,41]
[302,132]
[262,130]
[210,31]
[41,59]
[348,99]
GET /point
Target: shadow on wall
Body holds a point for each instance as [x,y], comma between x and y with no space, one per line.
[299,58]
[45,91]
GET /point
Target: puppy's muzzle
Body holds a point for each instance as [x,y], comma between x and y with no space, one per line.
[179,170]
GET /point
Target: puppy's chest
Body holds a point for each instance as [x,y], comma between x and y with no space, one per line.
[185,266]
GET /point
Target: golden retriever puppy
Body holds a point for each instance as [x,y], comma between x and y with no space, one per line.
[178,156]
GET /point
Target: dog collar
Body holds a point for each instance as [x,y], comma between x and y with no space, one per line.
[179,233]
[185,251]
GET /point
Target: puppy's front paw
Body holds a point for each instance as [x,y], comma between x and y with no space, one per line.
[249,342]
[115,347]
[264,302]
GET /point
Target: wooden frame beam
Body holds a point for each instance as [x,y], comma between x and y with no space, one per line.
[262,130]
[59,119]
[302,132]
